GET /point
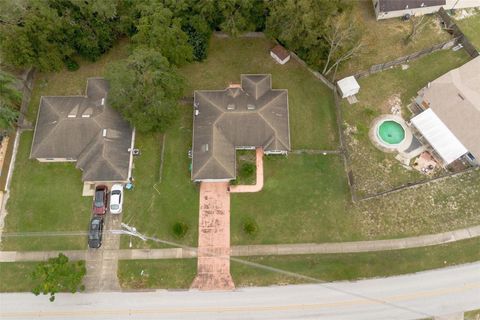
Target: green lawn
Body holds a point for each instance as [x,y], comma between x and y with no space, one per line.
[351,266]
[384,40]
[303,200]
[312,113]
[45,197]
[15,276]
[375,171]
[329,267]
[471,28]
[169,274]
[153,207]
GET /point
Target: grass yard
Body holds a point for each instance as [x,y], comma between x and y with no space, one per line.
[376,171]
[471,28]
[441,206]
[15,276]
[45,197]
[384,40]
[303,200]
[311,105]
[351,266]
[154,206]
[329,267]
[169,274]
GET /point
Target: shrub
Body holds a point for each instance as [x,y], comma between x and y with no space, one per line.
[71,64]
[250,227]
[180,229]
[247,169]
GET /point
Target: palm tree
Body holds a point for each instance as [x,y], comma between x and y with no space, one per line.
[10,99]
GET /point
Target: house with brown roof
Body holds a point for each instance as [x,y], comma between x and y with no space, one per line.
[85,130]
[244,116]
[386,9]
[449,120]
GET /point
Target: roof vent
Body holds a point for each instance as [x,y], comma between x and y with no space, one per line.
[250,107]
[104,133]
[231,106]
[73,112]
[87,113]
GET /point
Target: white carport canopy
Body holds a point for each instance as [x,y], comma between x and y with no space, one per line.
[439,136]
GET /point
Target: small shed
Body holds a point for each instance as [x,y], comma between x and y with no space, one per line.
[280,54]
[348,86]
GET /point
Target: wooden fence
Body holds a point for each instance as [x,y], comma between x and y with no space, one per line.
[453,29]
[406,59]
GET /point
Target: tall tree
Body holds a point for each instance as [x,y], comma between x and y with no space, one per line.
[10,99]
[34,37]
[145,89]
[160,30]
[344,42]
[58,275]
[301,25]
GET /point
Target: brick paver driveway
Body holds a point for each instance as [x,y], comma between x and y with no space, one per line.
[213,270]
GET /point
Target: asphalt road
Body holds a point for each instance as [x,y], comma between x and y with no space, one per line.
[421,295]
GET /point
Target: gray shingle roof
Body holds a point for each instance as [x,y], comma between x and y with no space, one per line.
[73,127]
[251,115]
[455,99]
[394,5]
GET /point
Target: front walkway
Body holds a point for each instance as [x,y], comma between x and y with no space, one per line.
[213,266]
[259,250]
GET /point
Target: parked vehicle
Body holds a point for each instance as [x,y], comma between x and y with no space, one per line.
[116,199]
[100,201]
[95,232]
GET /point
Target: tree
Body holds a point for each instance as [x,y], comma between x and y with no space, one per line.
[46,34]
[344,42]
[301,25]
[145,89]
[34,37]
[10,99]
[158,29]
[417,23]
[58,275]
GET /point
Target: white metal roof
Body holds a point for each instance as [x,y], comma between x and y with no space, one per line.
[439,136]
[348,84]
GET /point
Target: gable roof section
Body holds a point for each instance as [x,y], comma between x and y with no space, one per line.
[73,127]
[455,99]
[254,115]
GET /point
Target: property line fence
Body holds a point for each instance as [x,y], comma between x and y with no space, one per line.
[406,59]
[419,183]
[453,29]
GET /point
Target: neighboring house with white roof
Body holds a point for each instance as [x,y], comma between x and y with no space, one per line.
[450,122]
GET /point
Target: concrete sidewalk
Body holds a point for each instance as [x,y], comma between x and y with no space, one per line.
[260,250]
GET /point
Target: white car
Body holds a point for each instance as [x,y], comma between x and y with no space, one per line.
[116,199]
